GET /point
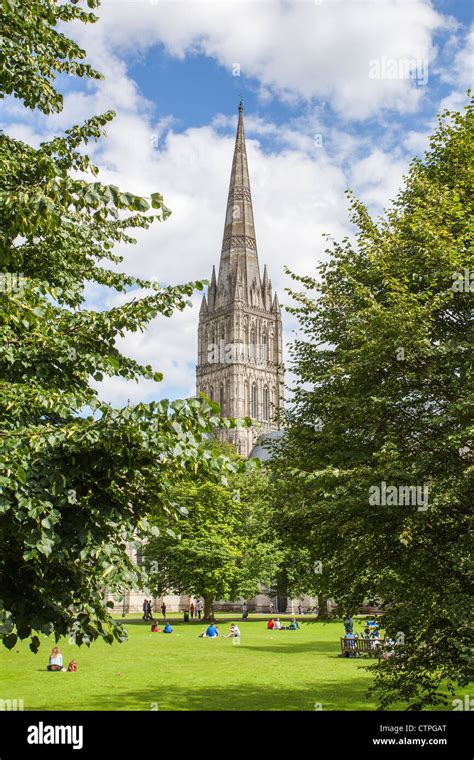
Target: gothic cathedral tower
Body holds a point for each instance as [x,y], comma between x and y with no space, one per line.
[240,363]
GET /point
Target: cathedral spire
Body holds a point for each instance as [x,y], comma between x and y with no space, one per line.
[239,218]
[239,260]
[241,317]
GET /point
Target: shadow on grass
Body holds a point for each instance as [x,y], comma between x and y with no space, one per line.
[308,697]
[294,647]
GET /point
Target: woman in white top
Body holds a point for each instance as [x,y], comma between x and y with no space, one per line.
[55,660]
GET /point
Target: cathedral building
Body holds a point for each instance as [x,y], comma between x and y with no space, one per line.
[240,362]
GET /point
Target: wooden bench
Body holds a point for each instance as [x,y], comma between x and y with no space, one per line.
[362,647]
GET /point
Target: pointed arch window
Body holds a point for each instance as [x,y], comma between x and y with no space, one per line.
[222,342]
[252,343]
[265,346]
[254,411]
[265,403]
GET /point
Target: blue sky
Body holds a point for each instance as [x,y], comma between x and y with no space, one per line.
[329,105]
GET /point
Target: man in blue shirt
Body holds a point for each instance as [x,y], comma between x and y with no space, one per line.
[212,632]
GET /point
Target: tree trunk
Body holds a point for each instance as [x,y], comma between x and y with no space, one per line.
[208,608]
[323,607]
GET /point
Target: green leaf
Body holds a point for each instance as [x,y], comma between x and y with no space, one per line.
[10,640]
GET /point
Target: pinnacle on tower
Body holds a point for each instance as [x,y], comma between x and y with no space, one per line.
[212,290]
[266,289]
[203,309]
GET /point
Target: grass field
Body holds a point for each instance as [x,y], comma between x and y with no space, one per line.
[270,670]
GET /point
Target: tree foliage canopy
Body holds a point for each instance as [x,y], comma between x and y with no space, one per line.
[220,544]
[77,477]
[384,396]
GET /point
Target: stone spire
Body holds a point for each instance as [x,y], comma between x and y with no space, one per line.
[240,348]
[239,275]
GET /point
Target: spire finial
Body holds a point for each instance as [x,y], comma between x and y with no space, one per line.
[241,105]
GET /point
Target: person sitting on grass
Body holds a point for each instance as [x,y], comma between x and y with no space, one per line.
[294,625]
[212,631]
[277,625]
[154,627]
[271,625]
[234,632]
[167,628]
[55,660]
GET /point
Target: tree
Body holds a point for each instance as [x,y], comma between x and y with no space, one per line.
[374,476]
[221,545]
[77,477]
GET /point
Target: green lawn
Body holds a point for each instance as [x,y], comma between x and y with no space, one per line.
[281,670]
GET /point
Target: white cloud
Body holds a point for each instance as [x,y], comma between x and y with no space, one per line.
[459,71]
[417,142]
[160,347]
[377,177]
[461,62]
[296,50]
